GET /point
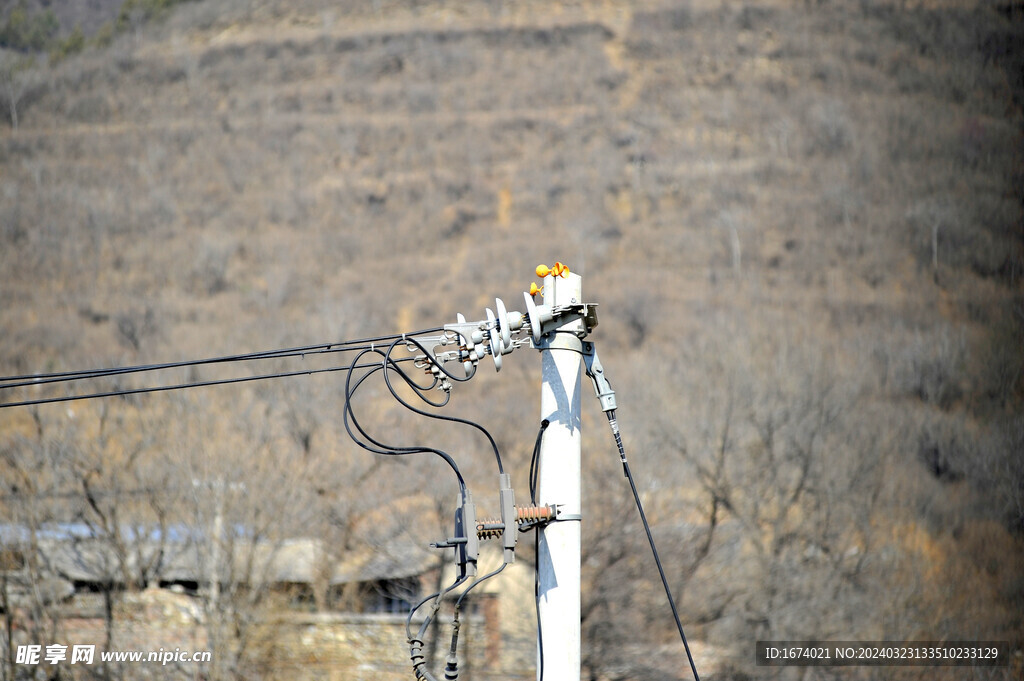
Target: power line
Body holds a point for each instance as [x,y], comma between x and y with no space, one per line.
[69,377]
[339,346]
[183,386]
[367,442]
[420,392]
[474,340]
[534,461]
[357,373]
[650,539]
[439,376]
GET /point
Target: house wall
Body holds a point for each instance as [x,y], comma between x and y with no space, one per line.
[497,638]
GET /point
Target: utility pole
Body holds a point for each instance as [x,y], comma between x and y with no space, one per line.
[559,484]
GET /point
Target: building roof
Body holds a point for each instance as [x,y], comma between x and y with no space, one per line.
[78,557]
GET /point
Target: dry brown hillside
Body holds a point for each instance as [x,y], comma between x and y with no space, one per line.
[803,222]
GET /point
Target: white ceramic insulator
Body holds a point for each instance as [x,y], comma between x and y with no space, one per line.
[531,310]
[506,333]
[462,320]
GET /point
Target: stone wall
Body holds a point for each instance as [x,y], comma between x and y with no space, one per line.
[346,647]
[497,638]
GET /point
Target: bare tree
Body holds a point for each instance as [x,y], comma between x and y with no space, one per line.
[32,502]
[16,78]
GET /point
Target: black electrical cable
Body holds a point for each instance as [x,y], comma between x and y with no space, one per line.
[299,351]
[348,413]
[416,643]
[536,601]
[535,461]
[452,667]
[35,380]
[80,375]
[650,538]
[371,444]
[419,390]
[440,417]
[182,386]
[368,442]
[436,597]
[362,347]
[477,582]
[458,379]
[534,473]
[387,366]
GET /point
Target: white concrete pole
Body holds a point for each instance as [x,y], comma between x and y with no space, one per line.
[559,483]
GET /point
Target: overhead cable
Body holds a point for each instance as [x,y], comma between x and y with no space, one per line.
[71,377]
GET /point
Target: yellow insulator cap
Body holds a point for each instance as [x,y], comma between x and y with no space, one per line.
[559,270]
[534,289]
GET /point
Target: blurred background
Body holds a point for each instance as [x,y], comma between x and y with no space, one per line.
[802,221]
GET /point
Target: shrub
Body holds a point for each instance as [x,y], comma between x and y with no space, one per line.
[136,11]
[73,44]
[28,32]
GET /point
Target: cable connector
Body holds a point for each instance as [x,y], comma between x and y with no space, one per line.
[451,668]
[602,388]
[466,541]
[465,526]
[509,535]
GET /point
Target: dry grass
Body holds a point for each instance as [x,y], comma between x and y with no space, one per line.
[780,206]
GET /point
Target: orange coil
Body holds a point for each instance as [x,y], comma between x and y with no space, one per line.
[489,528]
[485,529]
[533,513]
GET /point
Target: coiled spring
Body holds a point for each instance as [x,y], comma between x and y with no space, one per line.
[526,516]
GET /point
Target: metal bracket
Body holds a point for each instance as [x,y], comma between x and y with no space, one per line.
[499,334]
[553,319]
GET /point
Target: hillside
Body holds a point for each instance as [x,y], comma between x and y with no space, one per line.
[802,222]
